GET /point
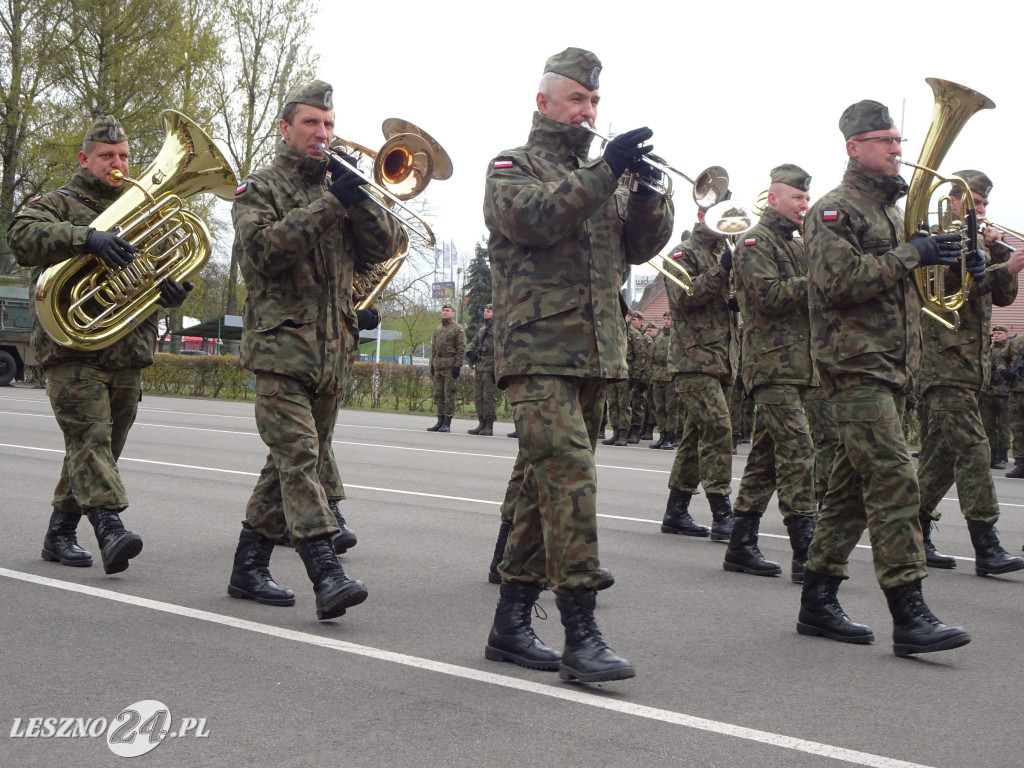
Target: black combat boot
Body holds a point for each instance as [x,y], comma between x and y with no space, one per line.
[117,546]
[998,461]
[488,430]
[1018,469]
[722,519]
[801,531]
[477,429]
[672,442]
[446,424]
[437,427]
[60,544]
[250,574]
[285,540]
[512,637]
[621,437]
[915,628]
[990,559]
[743,556]
[334,590]
[821,614]
[612,438]
[345,538]
[933,557]
[648,433]
[660,441]
[677,515]
[513,433]
[601,435]
[606,581]
[633,436]
[499,552]
[587,657]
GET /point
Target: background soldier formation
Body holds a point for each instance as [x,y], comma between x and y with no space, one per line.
[447,348]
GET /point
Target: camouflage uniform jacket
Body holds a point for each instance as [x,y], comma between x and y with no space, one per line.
[963,358]
[770,269]
[636,354]
[659,356]
[297,245]
[52,228]
[562,236]
[483,343]
[865,309]
[705,337]
[995,384]
[448,346]
[1005,358]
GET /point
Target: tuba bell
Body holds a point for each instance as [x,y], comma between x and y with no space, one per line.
[954,106]
[84,305]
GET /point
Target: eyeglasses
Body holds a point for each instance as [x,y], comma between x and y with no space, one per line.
[888,140]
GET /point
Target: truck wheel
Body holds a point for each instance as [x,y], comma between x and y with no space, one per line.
[8,367]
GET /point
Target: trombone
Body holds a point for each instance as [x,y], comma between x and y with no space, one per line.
[1005,231]
[710,186]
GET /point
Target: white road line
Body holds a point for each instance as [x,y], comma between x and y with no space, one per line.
[575,695]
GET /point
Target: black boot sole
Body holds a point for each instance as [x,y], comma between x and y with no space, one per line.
[496,654]
[1009,568]
[696,533]
[812,631]
[734,568]
[906,649]
[123,551]
[493,578]
[55,558]
[942,565]
[354,595]
[574,675]
[343,543]
[242,594]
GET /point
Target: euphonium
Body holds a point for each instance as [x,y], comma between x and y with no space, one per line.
[954,106]
[81,303]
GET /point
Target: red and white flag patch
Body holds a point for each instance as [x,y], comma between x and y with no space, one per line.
[503,162]
[241,187]
[34,199]
[829,215]
[750,241]
[677,254]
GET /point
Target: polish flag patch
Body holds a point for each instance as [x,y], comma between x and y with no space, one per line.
[503,163]
[829,215]
[34,199]
[750,241]
[241,187]
[677,254]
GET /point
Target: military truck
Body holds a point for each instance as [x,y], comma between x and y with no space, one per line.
[15,332]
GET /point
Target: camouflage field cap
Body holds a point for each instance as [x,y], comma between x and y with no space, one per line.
[577,64]
[106,130]
[1002,328]
[979,183]
[316,94]
[448,306]
[488,306]
[793,175]
[865,116]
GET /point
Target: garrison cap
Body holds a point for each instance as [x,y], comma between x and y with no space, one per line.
[448,306]
[638,314]
[488,306]
[106,130]
[1002,328]
[667,314]
[650,326]
[316,94]
[865,116]
[793,175]
[576,64]
[979,183]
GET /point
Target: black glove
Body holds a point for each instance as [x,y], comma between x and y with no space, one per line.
[346,184]
[362,268]
[367,319]
[173,293]
[456,370]
[937,250]
[727,260]
[335,166]
[976,264]
[1007,375]
[431,369]
[645,171]
[111,249]
[625,148]
[472,356]
[734,304]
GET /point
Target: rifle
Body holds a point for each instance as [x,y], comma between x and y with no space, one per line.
[478,350]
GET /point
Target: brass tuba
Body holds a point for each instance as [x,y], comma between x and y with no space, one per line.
[954,106]
[84,305]
[402,168]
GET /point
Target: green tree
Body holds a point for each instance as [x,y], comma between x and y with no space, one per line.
[478,286]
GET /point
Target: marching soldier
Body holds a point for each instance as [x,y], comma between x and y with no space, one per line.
[563,232]
[955,367]
[994,404]
[770,269]
[447,349]
[298,238]
[481,355]
[619,396]
[866,345]
[638,379]
[651,332]
[94,394]
[665,399]
[1010,365]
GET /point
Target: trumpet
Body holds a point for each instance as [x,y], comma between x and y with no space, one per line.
[710,187]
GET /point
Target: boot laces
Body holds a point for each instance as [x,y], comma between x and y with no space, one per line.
[916,606]
[525,618]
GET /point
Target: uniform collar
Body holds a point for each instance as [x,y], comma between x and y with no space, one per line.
[561,139]
[778,224]
[310,169]
[705,239]
[885,189]
[87,183]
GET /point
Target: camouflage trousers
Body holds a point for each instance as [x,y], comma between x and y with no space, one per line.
[620,408]
[485,390]
[873,485]
[704,455]
[512,491]
[995,415]
[956,449]
[824,433]
[1016,420]
[666,405]
[781,455]
[445,387]
[553,540]
[94,409]
[296,425]
[638,414]
[741,412]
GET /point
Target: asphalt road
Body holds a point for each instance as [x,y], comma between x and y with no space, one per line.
[723,679]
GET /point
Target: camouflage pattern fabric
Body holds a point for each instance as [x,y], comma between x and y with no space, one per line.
[447,348]
[704,454]
[741,411]
[485,388]
[620,404]
[866,344]
[821,421]
[562,235]
[666,401]
[994,404]
[95,408]
[512,490]
[1004,360]
[265,502]
[641,375]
